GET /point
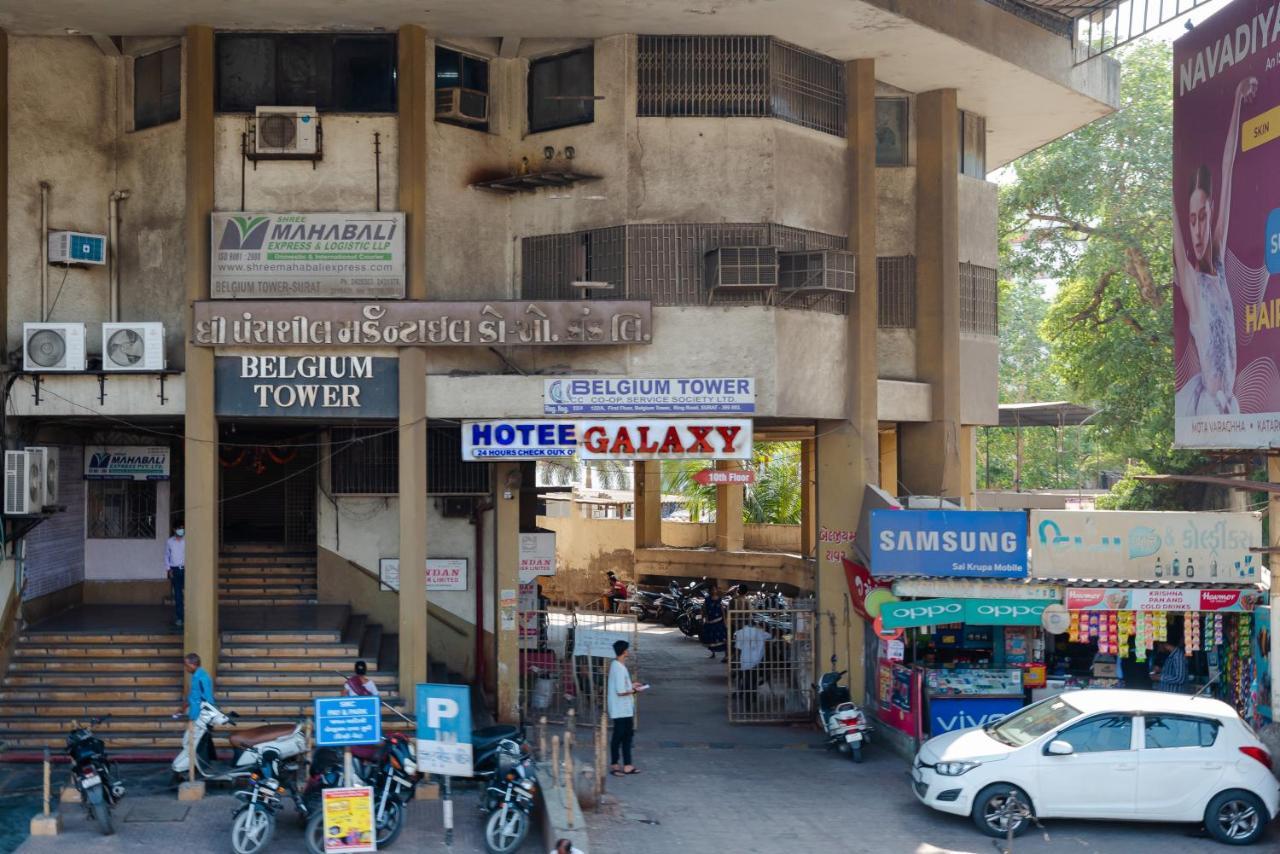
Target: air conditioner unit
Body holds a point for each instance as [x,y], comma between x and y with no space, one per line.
[76,247]
[23,483]
[469,106]
[286,130]
[52,467]
[52,347]
[133,347]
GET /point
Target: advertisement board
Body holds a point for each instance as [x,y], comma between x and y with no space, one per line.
[125,462]
[1132,545]
[537,556]
[271,255]
[648,396]
[1226,240]
[348,820]
[977,612]
[443,573]
[1162,599]
[348,721]
[345,387]
[949,543]
[608,439]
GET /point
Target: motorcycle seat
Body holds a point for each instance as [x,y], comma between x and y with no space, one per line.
[366,752]
[246,738]
[491,735]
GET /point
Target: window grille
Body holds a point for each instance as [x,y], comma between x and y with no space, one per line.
[349,72]
[366,461]
[157,88]
[979,297]
[739,76]
[561,90]
[896,293]
[122,510]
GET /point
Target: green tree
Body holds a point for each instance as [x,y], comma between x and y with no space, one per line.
[773,499]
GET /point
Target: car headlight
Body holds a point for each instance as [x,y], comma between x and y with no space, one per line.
[955,769]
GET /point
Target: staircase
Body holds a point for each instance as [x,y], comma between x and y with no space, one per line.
[259,574]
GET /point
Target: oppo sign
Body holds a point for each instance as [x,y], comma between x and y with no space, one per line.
[982,612]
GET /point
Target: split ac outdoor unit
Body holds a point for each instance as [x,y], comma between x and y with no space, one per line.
[52,465]
[133,347]
[286,130]
[462,105]
[52,347]
[23,482]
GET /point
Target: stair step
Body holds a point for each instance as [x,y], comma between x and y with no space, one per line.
[92,680]
[46,638]
[321,679]
[290,650]
[90,665]
[293,579]
[84,650]
[118,743]
[272,589]
[232,638]
[119,723]
[272,600]
[341,664]
[60,694]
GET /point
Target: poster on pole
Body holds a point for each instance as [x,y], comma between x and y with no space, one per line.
[348,820]
[1226,229]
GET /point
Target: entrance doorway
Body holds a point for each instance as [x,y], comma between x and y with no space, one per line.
[268,490]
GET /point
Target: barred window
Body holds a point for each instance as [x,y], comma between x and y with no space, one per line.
[122,509]
[896,291]
[562,90]
[736,76]
[366,461]
[979,298]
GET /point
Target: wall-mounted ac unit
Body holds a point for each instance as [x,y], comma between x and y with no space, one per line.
[76,247]
[24,482]
[52,466]
[286,131]
[462,105]
[133,347]
[52,347]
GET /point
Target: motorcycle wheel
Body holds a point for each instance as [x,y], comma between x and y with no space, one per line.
[251,830]
[505,831]
[855,753]
[101,810]
[314,834]
[391,824]
[667,620]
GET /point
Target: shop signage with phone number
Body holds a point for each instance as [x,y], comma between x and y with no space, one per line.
[1119,599]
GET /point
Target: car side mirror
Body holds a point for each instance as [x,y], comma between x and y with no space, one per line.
[1058,747]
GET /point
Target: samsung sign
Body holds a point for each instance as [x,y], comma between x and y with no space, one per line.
[955,543]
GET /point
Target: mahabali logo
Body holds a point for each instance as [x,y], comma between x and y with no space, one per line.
[106,461]
[244,233]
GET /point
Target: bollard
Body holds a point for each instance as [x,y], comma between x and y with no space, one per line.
[602,755]
[570,789]
[47,823]
[192,790]
[447,808]
[555,759]
[542,737]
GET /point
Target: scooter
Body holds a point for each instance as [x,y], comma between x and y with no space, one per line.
[844,723]
[247,746]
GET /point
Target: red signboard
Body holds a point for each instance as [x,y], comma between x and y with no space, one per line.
[725,477]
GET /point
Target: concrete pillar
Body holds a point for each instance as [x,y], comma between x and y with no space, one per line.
[414,107]
[808,499]
[647,513]
[730,532]
[4,185]
[848,450]
[200,447]
[968,466]
[507,590]
[1273,563]
[931,464]
[889,459]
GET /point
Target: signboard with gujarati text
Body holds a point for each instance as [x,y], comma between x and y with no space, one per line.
[348,721]
[125,462]
[339,387]
[648,396]
[950,543]
[444,729]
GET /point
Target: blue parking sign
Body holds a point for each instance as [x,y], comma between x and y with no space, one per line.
[348,721]
[444,729]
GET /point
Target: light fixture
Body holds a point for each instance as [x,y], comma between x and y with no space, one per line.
[569,152]
[548,152]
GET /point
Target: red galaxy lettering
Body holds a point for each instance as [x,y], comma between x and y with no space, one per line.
[622,444]
[728,434]
[647,446]
[595,440]
[700,443]
[671,443]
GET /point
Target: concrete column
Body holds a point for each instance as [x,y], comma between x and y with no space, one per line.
[730,532]
[200,447]
[889,459]
[4,186]
[968,466]
[1273,562]
[808,499]
[931,464]
[507,590]
[647,514]
[848,451]
[414,108]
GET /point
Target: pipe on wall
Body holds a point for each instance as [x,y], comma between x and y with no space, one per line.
[44,250]
[113,254]
[477,519]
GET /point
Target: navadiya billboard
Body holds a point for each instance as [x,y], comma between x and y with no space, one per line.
[1226,229]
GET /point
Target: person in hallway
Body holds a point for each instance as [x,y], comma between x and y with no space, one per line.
[201,690]
[175,561]
[714,635]
[621,704]
[1172,672]
[359,684]
[617,593]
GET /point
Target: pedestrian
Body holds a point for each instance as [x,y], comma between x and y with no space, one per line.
[622,711]
[175,561]
[617,592]
[564,846]
[714,636]
[359,684]
[742,599]
[1172,672]
[201,690]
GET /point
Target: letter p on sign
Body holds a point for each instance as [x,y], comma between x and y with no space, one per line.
[439,708]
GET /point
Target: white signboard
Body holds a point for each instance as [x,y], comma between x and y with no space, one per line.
[649,396]
[970,588]
[609,439]
[125,462]
[537,556]
[597,643]
[443,573]
[265,255]
[1204,548]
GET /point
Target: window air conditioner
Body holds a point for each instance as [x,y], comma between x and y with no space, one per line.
[462,105]
[285,130]
[23,482]
[52,347]
[133,347]
[74,247]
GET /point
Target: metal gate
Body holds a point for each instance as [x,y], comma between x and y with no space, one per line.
[564,661]
[771,664]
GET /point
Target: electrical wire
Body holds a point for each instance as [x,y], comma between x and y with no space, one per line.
[49,313]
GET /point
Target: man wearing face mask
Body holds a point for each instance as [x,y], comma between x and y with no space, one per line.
[175,558]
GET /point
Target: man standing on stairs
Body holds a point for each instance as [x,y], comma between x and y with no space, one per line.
[175,558]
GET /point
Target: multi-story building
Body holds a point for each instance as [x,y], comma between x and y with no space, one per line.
[797,191]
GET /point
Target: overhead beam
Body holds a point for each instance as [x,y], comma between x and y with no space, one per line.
[109,45]
[1224,482]
[509,47]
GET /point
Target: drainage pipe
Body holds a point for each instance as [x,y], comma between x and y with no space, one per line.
[113,254]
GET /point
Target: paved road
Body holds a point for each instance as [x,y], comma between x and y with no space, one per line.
[709,786]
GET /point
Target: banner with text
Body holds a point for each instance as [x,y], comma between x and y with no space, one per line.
[443,573]
[609,439]
[659,396]
[338,387]
[125,462]
[953,543]
[1162,599]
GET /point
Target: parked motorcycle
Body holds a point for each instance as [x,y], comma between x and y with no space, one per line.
[247,746]
[645,604]
[254,821]
[509,799]
[93,773]
[844,723]
[389,768]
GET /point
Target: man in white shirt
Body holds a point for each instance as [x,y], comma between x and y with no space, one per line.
[750,642]
[621,703]
[175,560]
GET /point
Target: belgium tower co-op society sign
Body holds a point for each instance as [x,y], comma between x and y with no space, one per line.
[956,543]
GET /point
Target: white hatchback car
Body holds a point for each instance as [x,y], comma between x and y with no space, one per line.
[1109,754]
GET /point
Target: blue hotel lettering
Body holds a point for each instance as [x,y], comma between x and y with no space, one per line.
[543,435]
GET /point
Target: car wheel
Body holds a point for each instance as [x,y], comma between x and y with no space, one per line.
[1000,804]
[1236,817]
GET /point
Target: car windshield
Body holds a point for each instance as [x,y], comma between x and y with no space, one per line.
[1025,726]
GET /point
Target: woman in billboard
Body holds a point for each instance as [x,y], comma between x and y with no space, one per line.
[1202,279]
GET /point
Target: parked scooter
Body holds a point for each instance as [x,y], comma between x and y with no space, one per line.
[93,773]
[247,746]
[509,799]
[844,723]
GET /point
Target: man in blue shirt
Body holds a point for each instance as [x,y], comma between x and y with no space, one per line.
[1173,672]
[201,690]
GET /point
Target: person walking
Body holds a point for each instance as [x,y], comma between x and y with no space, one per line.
[201,690]
[622,711]
[175,561]
[1172,672]
[714,635]
[359,684]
